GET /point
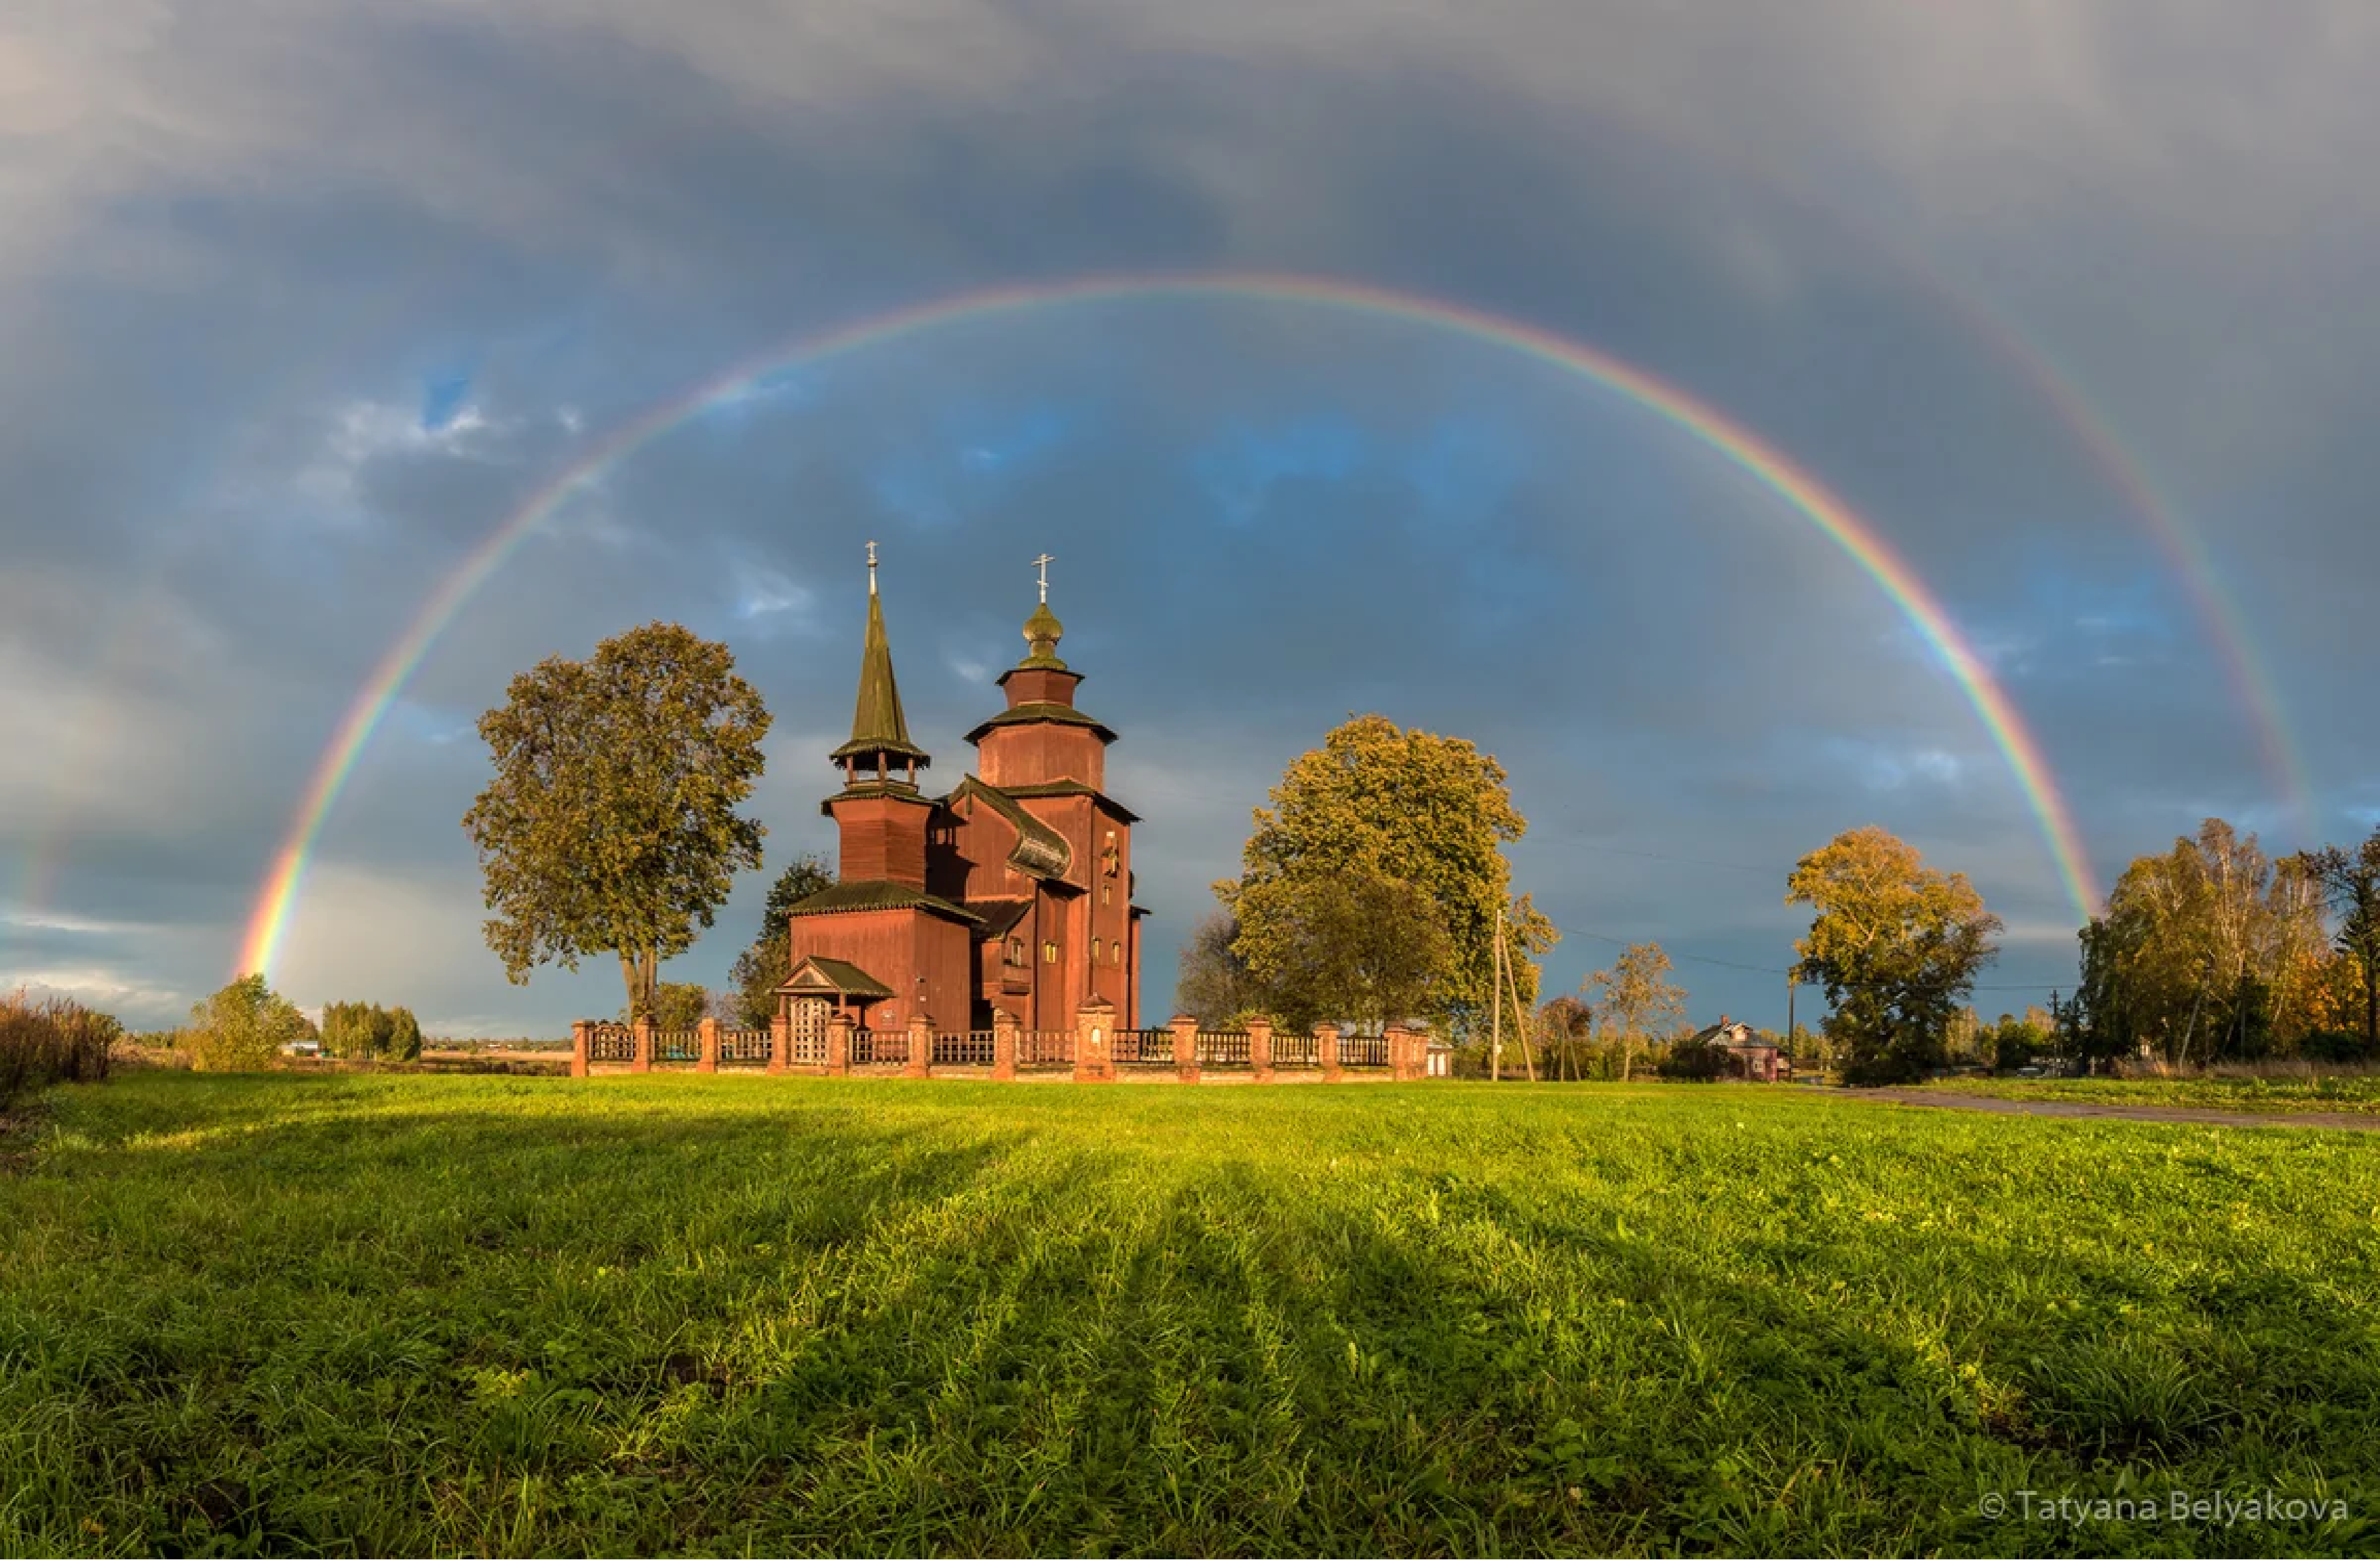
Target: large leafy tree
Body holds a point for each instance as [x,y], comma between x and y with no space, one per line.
[611,826]
[2349,883]
[1635,1000]
[2210,950]
[1406,806]
[1896,946]
[1355,945]
[759,970]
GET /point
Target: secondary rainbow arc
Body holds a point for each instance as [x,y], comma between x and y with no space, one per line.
[1802,492]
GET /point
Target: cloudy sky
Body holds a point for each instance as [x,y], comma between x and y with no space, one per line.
[301,304]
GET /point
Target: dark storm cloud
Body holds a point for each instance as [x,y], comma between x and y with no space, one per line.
[306,302]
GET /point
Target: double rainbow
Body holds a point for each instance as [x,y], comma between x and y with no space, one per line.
[1805,493]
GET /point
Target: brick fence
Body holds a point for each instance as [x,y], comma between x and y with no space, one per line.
[1094,1051]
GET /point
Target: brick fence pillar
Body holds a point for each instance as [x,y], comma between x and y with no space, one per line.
[838,1044]
[1261,1049]
[921,1046]
[578,1048]
[1401,1067]
[1185,1049]
[643,1030]
[780,1041]
[1094,1042]
[1003,1045]
[1326,1050]
[707,1033]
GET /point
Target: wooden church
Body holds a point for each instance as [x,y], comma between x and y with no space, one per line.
[1012,891]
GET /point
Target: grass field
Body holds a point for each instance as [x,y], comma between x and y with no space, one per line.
[387,1314]
[2357,1094]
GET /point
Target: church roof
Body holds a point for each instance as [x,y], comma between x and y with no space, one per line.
[877,894]
[1033,713]
[877,724]
[1074,788]
[1041,851]
[1000,916]
[835,975]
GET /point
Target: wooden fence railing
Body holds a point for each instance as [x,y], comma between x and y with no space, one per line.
[1223,1048]
[1045,1048]
[972,1048]
[743,1048]
[1144,1048]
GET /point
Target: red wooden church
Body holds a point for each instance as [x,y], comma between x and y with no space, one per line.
[1012,892]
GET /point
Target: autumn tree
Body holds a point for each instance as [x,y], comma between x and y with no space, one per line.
[2210,950]
[2349,884]
[1407,806]
[679,1005]
[1565,1028]
[242,1027]
[1896,946]
[1635,1000]
[759,970]
[1215,985]
[611,826]
[1356,944]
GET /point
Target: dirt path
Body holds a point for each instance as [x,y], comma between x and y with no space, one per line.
[2190,1113]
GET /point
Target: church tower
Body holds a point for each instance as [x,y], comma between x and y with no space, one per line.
[879,811]
[1050,759]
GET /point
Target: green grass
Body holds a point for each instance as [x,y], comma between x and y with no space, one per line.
[400,1314]
[2352,1093]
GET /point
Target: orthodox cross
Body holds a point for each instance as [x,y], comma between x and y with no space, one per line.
[1042,564]
[872,568]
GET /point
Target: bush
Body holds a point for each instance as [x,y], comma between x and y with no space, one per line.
[242,1027]
[2336,1047]
[1693,1061]
[52,1040]
[2012,1052]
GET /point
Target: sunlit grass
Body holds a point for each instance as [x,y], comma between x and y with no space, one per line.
[375,1314]
[2354,1092]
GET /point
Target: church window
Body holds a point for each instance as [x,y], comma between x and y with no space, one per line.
[1095,950]
[1048,952]
[1014,956]
[1119,953]
[1107,894]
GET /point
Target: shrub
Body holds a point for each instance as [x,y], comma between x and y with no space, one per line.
[52,1040]
[1693,1061]
[242,1027]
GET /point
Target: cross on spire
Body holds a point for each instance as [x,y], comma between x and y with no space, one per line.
[872,568]
[1042,564]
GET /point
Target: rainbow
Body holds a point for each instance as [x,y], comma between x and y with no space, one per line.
[1809,497]
[2251,681]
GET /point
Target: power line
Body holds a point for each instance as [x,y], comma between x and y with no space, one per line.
[1770,969]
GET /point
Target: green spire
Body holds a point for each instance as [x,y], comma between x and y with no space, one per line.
[878,725]
[1042,631]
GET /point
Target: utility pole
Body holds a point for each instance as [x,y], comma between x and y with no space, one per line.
[1792,1031]
[1520,1014]
[1496,1020]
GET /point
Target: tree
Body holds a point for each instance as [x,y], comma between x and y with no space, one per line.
[2349,883]
[1565,1031]
[1216,986]
[1895,945]
[679,1005]
[1357,945]
[369,1030]
[242,1027]
[1635,999]
[1408,806]
[611,826]
[759,970]
[2206,951]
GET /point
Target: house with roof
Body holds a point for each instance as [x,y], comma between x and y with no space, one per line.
[1010,891]
[1749,1056]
